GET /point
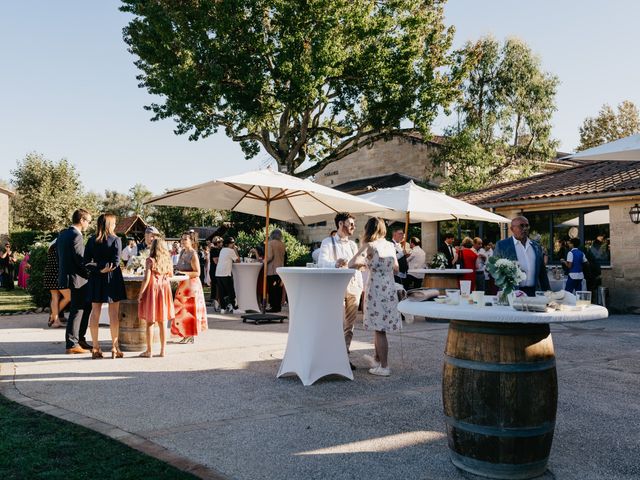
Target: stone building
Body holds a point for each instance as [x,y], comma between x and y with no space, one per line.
[5,196]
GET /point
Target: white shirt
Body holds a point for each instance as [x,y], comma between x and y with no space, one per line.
[576,275]
[527,261]
[315,255]
[399,255]
[336,248]
[480,261]
[128,252]
[225,262]
[417,259]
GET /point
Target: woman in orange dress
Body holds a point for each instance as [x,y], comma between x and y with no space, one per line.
[155,302]
[191,309]
[468,258]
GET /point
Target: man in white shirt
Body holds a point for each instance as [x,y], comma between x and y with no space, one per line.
[224,280]
[416,260]
[335,252]
[129,251]
[402,255]
[480,262]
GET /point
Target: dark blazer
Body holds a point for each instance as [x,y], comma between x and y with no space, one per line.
[444,248]
[506,249]
[72,272]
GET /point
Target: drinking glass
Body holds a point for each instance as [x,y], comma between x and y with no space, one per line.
[583,298]
[478,298]
[453,294]
[311,265]
[465,287]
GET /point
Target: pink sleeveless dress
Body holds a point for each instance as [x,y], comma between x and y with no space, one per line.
[156,304]
[191,309]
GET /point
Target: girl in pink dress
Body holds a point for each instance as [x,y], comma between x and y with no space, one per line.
[23,275]
[155,302]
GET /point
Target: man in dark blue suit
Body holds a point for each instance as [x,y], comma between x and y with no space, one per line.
[73,275]
[527,253]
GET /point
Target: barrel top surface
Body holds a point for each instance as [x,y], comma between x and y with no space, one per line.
[139,278]
[499,314]
[316,271]
[441,271]
[247,264]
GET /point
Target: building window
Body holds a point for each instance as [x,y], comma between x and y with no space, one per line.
[554,229]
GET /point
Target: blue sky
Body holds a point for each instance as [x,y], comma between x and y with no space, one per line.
[68,87]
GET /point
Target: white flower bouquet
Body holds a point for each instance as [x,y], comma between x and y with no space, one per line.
[439,260]
[506,273]
[137,264]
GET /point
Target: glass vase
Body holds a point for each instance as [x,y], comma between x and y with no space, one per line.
[503,298]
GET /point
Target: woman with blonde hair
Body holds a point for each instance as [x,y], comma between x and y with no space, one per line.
[155,302]
[190,306]
[106,285]
[381,301]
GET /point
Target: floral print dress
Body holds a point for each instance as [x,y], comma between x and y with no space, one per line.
[381,301]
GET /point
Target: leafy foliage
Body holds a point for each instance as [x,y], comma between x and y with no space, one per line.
[172,221]
[35,284]
[608,125]
[297,253]
[47,193]
[22,240]
[305,80]
[503,128]
[507,273]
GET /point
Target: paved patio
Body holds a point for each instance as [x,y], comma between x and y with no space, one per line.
[217,409]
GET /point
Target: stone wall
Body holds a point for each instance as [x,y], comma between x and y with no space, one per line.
[4,216]
[623,279]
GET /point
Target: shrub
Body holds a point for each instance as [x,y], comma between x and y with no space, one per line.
[38,260]
[297,253]
[21,240]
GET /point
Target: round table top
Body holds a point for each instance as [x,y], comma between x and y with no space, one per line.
[499,314]
[247,264]
[139,278]
[316,271]
[441,271]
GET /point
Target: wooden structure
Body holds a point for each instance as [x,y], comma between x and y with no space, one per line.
[131,227]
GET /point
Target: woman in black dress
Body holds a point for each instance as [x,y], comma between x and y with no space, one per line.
[60,297]
[106,285]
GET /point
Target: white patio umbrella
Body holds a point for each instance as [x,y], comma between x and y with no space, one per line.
[597,217]
[270,194]
[411,202]
[625,149]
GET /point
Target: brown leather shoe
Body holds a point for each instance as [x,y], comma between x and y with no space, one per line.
[76,349]
[85,345]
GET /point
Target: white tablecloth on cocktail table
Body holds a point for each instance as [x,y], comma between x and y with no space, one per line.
[315,346]
[245,281]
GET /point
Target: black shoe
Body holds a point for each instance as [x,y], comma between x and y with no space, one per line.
[353,367]
[85,345]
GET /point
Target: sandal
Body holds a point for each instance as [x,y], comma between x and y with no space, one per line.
[96,354]
[50,321]
[145,355]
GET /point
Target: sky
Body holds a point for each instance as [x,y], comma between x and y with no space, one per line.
[68,86]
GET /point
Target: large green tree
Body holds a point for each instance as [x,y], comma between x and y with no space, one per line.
[47,193]
[173,221]
[608,125]
[502,126]
[307,81]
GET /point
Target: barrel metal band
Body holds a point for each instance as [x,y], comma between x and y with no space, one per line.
[501,367]
[525,329]
[499,470]
[522,432]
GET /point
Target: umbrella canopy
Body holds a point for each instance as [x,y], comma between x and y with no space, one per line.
[290,199]
[597,217]
[270,194]
[625,149]
[413,203]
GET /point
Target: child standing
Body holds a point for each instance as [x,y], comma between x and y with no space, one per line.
[155,302]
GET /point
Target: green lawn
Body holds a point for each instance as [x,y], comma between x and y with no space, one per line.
[16,300]
[34,445]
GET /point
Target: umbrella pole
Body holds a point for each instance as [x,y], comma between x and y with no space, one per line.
[266,255]
[406,227]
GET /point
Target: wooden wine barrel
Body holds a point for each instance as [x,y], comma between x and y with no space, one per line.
[133,334]
[441,282]
[500,393]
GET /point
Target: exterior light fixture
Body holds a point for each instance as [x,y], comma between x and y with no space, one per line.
[634,213]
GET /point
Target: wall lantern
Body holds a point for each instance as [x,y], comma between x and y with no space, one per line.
[634,213]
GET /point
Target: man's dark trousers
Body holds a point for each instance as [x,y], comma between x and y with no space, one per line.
[78,321]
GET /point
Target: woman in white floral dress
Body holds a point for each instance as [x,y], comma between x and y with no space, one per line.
[381,301]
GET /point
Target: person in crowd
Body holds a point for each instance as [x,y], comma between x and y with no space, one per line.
[106,285]
[60,297]
[575,263]
[206,252]
[335,252]
[23,272]
[489,283]
[73,275]
[150,234]
[449,250]
[202,260]
[402,254]
[275,260]
[155,300]
[600,249]
[214,255]
[478,247]
[381,301]
[333,233]
[129,251]
[468,257]
[190,307]
[224,278]
[528,254]
[416,260]
[175,253]
[7,267]
[315,252]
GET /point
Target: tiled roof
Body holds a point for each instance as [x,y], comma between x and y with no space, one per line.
[126,223]
[588,180]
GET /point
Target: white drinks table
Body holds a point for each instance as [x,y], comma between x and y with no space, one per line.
[245,281]
[499,385]
[441,278]
[315,346]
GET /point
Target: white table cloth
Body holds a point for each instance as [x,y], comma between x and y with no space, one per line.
[315,346]
[438,271]
[245,280]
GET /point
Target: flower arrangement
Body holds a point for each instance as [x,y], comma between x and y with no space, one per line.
[137,263]
[506,273]
[439,260]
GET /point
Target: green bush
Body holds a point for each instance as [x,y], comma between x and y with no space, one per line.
[35,284]
[297,253]
[21,240]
